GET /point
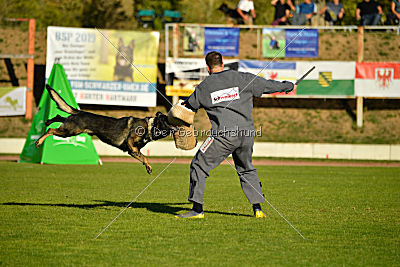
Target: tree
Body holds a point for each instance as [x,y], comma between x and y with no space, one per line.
[103,14]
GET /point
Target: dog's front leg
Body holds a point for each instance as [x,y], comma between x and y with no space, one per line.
[49,132]
[135,152]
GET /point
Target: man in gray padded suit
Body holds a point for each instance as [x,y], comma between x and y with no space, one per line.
[227,97]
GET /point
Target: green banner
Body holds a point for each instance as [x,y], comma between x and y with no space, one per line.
[330,87]
[56,150]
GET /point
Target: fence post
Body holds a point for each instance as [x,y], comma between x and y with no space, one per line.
[360,58]
[258,43]
[360,50]
[360,107]
[175,53]
[30,69]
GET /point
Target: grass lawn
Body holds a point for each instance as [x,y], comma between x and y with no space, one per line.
[51,214]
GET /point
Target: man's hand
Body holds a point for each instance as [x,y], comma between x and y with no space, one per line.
[294,88]
[358,14]
[290,87]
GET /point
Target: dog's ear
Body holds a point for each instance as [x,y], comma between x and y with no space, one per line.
[120,43]
[132,44]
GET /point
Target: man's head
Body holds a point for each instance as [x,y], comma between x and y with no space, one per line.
[214,62]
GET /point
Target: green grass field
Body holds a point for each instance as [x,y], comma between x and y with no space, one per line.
[51,214]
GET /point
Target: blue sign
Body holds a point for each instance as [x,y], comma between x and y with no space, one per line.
[223,40]
[301,43]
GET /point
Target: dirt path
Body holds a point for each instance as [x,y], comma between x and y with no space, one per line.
[259,162]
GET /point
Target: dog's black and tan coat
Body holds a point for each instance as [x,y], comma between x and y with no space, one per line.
[128,133]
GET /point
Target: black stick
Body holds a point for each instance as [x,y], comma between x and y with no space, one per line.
[305,75]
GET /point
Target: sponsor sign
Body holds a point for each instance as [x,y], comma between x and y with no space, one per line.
[329,78]
[193,40]
[98,73]
[376,79]
[223,40]
[273,43]
[228,94]
[301,43]
[184,74]
[12,101]
[206,144]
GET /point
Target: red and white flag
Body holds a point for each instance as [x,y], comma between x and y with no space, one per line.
[376,79]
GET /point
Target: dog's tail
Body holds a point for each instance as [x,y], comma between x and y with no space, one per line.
[61,104]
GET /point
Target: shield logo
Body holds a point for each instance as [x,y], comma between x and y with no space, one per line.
[384,77]
[325,78]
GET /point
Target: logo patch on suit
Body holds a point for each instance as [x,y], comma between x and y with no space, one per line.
[228,94]
[206,144]
[325,78]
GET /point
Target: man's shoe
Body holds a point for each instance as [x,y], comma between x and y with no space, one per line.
[191,214]
[259,214]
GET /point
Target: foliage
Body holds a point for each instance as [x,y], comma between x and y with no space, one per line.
[46,12]
[103,14]
[119,14]
[50,215]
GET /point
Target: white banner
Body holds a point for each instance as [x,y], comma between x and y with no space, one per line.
[377,79]
[12,101]
[102,73]
[184,74]
[280,71]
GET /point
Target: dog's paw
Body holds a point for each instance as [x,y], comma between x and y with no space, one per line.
[149,169]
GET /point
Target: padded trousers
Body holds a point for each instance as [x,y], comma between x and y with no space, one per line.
[215,150]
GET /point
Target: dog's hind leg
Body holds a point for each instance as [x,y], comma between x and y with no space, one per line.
[57,118]
[135,152]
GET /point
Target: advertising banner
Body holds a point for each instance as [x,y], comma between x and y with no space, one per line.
[223,40]
[273,43]
[193,41]
[301,43]
[12,101]
[328,78]
[184,74]
[280,43]
[98,73]
[279,71]
[377,79]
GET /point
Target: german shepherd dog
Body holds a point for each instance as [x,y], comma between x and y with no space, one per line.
[123,70]
[127,133]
